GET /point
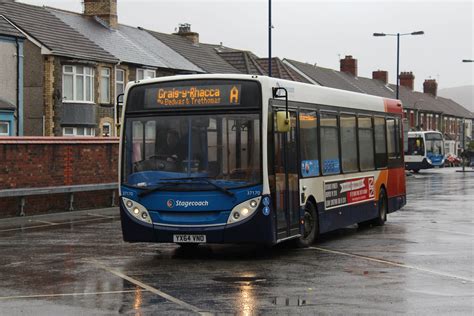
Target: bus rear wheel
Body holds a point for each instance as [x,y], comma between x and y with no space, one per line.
[382,209]
[311,226]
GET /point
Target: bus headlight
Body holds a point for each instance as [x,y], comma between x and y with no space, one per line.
[243,210]
[429,161]
[137,210]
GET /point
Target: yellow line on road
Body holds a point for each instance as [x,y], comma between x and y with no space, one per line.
[64,294]
[151,289]
[393,263]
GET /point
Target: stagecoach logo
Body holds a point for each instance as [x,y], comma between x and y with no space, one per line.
[172,203]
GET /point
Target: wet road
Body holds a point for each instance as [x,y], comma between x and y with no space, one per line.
[420,262]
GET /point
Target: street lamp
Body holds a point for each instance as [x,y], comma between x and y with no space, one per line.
[270,38]
[468,60]
[398,49]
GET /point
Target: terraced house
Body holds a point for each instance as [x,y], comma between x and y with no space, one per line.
[75,65]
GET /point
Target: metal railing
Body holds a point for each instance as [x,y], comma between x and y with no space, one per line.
[22,193]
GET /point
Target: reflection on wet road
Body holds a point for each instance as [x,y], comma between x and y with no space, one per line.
[420,262]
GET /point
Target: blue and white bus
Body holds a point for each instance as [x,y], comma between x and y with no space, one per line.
[425,150]
[253,159]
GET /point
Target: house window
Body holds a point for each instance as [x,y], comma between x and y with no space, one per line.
[4,128]
[105,85]
[78,131]
[119,82]
[145,74]
[78,84]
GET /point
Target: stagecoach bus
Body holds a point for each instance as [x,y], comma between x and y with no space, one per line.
[254,159]
[425,150]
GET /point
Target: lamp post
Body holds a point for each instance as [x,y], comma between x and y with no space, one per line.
[398,50]
[269,38]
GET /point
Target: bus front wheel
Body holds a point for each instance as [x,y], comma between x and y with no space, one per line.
[382,209]
[311,226]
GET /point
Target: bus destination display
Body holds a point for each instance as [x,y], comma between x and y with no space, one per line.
[198,95]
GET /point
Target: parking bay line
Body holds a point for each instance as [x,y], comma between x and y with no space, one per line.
[54,224]
[102,216]
[65,294]
[393,263]
[150,288]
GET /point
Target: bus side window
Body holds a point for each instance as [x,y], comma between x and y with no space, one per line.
[391,139]
[329,144]
[349,143]
[380,143]
[366,143]
[308,122]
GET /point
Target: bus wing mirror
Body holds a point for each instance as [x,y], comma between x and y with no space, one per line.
[283,122]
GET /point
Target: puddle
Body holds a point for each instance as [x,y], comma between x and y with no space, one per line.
[240,280]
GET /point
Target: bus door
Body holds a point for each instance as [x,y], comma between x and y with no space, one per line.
[285,189]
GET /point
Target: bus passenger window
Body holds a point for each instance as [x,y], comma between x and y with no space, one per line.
[329,144]
[366,143]
[349,143]
[309,144]
[380,143]
[391,139]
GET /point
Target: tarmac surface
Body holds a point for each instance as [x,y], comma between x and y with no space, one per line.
[420,262]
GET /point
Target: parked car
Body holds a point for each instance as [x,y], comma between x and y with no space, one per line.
[452,161]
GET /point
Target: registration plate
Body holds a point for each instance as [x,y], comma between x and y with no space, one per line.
[189,238]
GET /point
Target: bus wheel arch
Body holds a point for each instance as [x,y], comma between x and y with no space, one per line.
[311,224]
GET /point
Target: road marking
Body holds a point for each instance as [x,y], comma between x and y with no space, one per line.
[65,294]
[437,230]
[103,216]
[150,288]
[55,224]
[44,222]
[393,263]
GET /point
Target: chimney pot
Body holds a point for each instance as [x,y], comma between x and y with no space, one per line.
[407,79]
[349,65]
[185,31]
[381,75]
[430,86]
[106,10]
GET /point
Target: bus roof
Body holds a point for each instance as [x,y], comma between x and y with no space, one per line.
[299,92]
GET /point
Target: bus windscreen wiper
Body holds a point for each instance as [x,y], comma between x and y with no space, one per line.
[158,188]
[206,179]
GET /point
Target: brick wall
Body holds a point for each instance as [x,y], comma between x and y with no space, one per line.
[29,162]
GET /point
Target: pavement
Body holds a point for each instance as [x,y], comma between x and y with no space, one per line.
[420,262]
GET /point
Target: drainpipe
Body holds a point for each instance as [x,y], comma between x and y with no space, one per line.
[19,90]
[17,87]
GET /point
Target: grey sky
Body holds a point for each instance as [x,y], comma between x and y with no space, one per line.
[322,31]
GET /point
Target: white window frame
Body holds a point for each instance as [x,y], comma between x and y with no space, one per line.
[75,134]
[119,82]
[7,123]
[105,77]
[74,76]
[151,72]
